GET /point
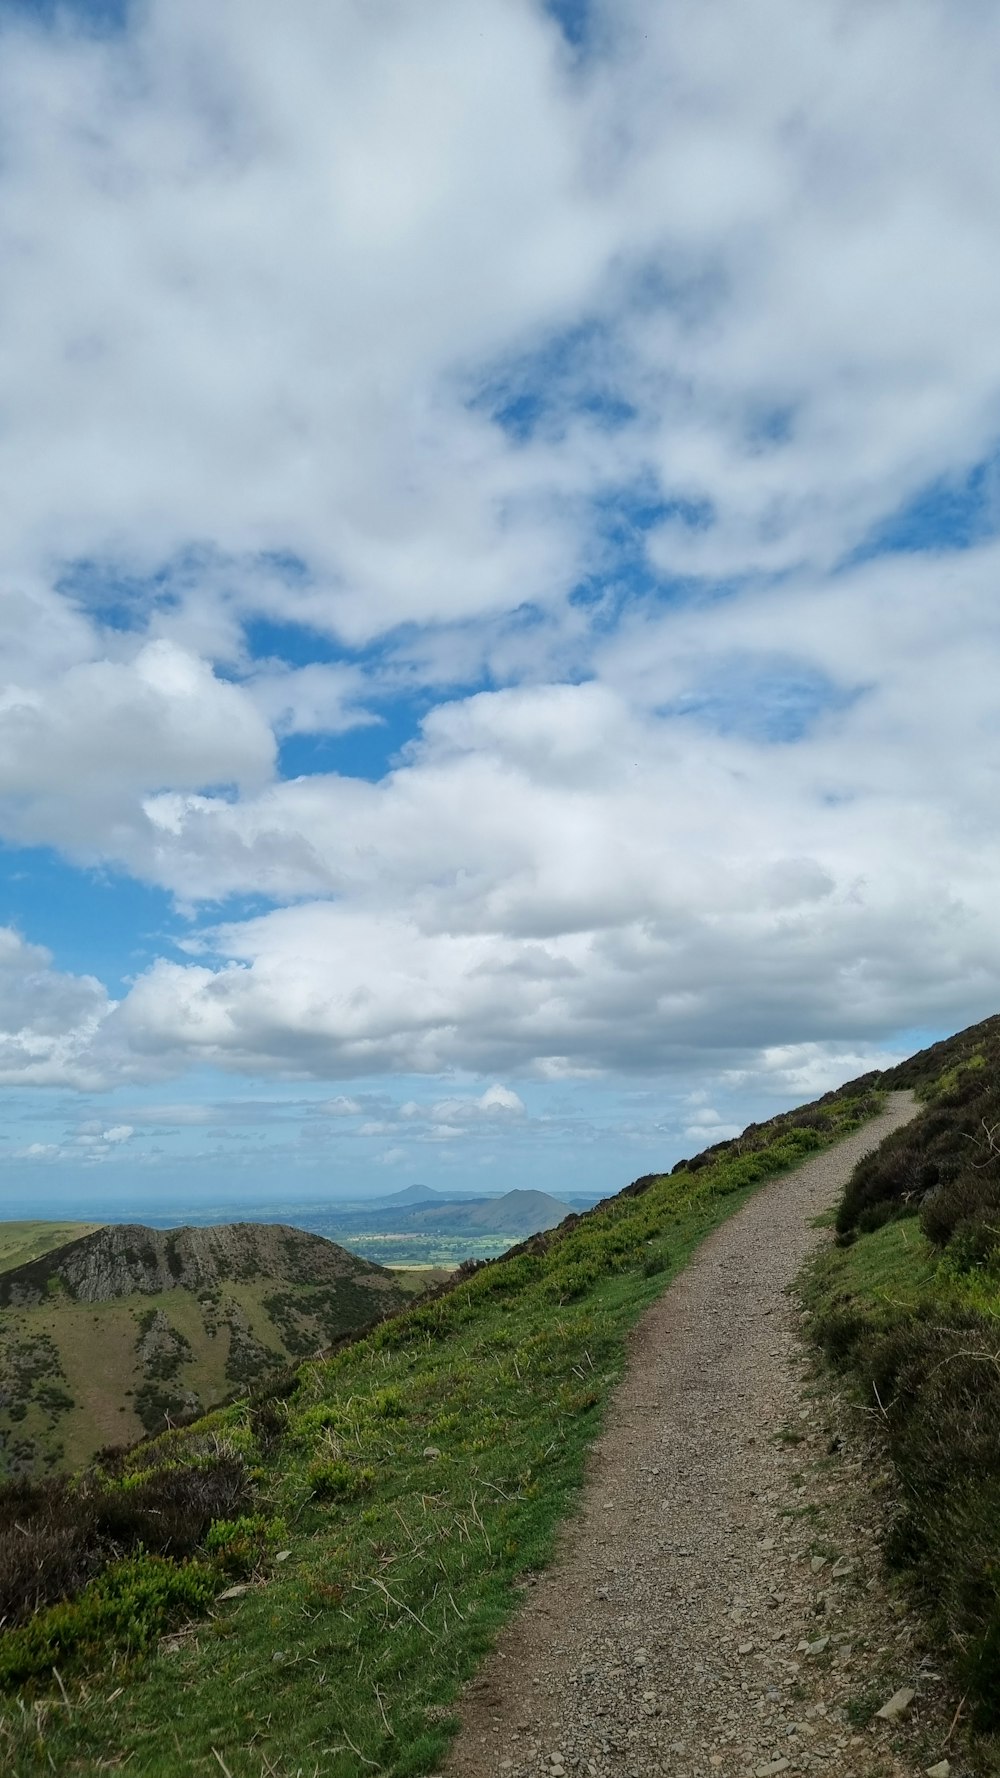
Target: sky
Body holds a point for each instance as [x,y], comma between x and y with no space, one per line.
[499,561]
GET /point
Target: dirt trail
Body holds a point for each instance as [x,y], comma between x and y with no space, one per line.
[667,1636]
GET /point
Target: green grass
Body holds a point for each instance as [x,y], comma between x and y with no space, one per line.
[422,1473]
[893,1269]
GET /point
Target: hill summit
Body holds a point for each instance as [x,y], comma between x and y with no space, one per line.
[122,1259]
[124,1328]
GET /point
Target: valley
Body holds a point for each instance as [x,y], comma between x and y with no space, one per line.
[109,1331]
[420,1227]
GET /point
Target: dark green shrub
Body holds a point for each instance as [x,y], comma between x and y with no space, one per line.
[970,1203]
[268,1420]
[938,1383]
[57,1535]
[335,1479]
[238,1546]
[126,1608]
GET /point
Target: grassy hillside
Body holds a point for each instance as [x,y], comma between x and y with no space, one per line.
[21,1242]
[364,1531]
[908,1304]
[92,1353]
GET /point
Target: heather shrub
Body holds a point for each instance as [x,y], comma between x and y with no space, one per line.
[57,1535]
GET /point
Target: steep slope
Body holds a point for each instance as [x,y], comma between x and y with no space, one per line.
[413,1481]
[698,1495]
[116,1331]
[24,1241]
[122,1258]
[907,1304]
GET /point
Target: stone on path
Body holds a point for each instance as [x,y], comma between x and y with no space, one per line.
[897,1705]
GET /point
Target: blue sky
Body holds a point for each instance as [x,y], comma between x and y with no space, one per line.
[498,617]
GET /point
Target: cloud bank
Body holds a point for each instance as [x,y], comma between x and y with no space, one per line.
[613,424]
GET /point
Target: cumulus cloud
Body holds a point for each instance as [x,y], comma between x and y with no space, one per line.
[393,352]
[459,1116]
[341,1107]
[49,1021]
[78,751]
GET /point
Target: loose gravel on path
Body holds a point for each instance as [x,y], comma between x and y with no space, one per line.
[716,1607]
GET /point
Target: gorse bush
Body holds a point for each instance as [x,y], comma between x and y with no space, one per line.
[238,1546]
[333,1479]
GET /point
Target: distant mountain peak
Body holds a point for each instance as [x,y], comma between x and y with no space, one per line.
[410,1194]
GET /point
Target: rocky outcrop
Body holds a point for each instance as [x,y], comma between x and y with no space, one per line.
[125,1259]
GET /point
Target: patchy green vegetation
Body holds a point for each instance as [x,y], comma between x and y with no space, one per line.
[130,1330]
[909,1305]
[421,1471]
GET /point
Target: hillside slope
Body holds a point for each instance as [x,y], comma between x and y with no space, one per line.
[107,1335]
[908,1305]
[703,1491]
[412,1480]
[24,1241]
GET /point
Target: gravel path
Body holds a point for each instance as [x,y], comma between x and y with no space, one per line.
[715,1608]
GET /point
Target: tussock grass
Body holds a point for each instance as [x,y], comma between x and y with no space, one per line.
[422,1473]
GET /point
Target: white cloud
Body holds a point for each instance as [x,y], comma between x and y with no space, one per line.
[77,752]
[48,1020]
[266,279]
[316,699]
[341,1107]
[798,1071]
[708,1133]
[498,1100]
[262,251]
[247,309]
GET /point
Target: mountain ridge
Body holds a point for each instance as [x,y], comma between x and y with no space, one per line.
[126,1329]
[122,1259]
